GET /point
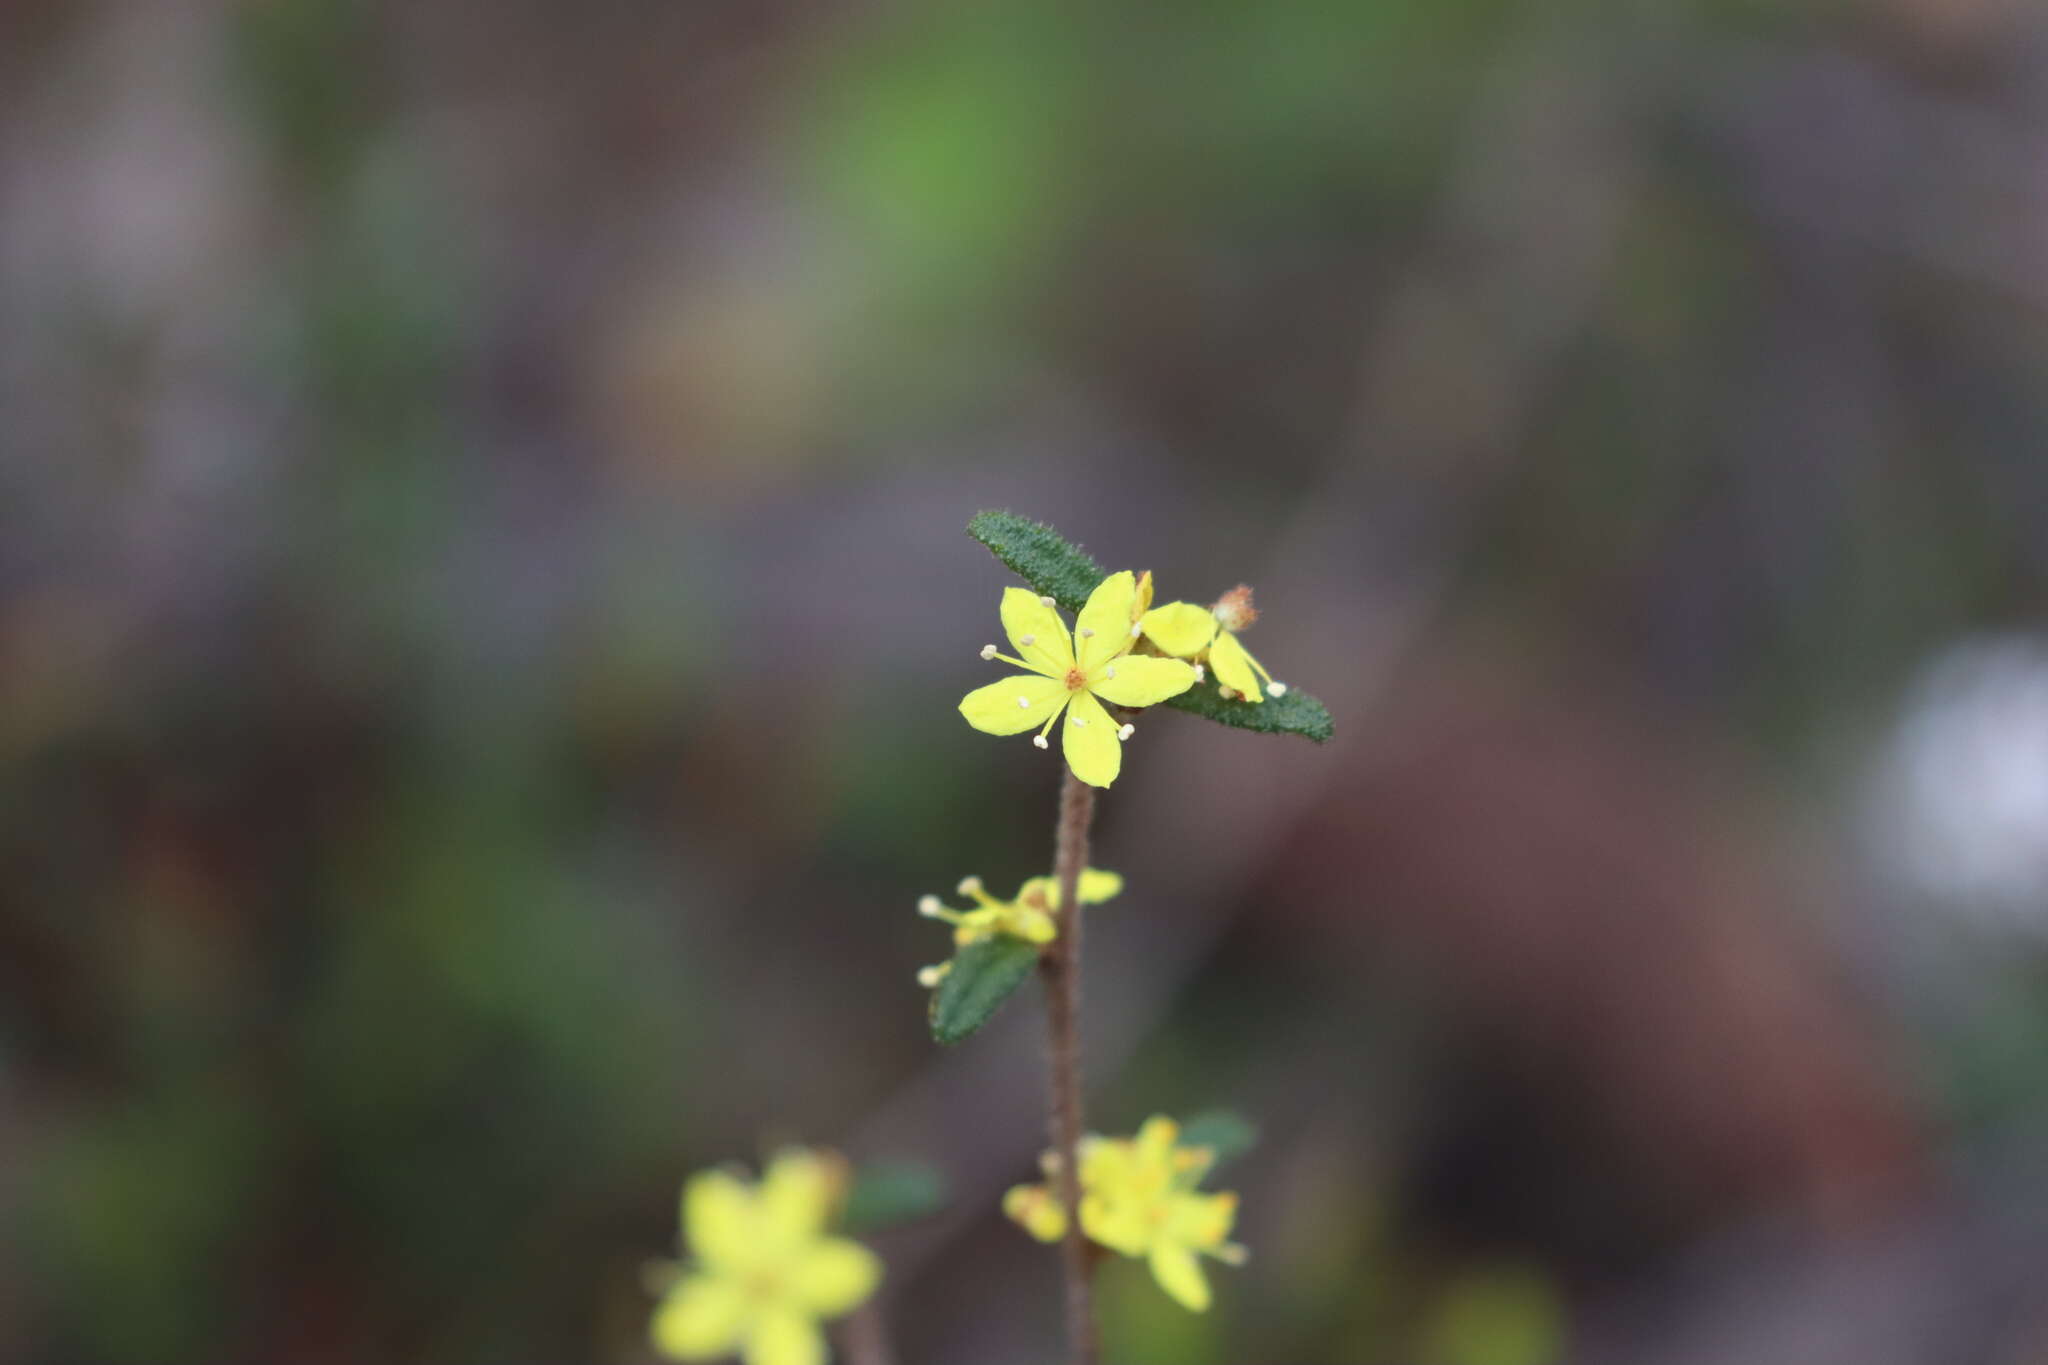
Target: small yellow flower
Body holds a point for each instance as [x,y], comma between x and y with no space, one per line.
[1076,681]
[1138,1198]
[763,1271]
[1027,915]
[1209,635]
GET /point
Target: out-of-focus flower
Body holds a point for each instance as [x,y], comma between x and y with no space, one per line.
[762,1271]
[1074,674]
[1027,915]
[1138,1198]
[1209,636]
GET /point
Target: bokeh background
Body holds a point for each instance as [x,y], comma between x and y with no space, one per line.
[483,598]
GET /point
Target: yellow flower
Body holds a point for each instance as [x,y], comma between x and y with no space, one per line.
[1138,1198]
[1075,681]
[763,1271]
[1027,915]
[1209,635]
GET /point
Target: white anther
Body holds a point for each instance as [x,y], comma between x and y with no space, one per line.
[1201,673]
[1039,740]
[1078,720]
[1045,601]
[988,651]
[928,906]
[969,886]
[1109,672]
[1225,693]
[1027,640]
[1087,632]
[1137,629]
[1023,703]
[929,977]
[1276,689]
[1125,733]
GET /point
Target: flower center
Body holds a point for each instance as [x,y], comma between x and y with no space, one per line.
[1075,680]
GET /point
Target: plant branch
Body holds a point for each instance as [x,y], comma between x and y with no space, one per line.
[1060,968]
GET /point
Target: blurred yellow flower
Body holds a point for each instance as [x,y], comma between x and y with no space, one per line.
[1074,674]
[1138,1198]
[763,1273]
[1027,915]
[1209,635]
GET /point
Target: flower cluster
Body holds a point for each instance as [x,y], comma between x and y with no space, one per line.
[1073,674]
[1138,1198]
[762,1270]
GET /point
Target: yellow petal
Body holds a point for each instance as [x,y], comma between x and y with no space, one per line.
[1025,617]
[995,709]
[1037,1210]
[1098,886]
[1118,1223]
[1108,615]
[836,1274]
[785,1338]
[718,1218]
[1179,1273]
[1181,629]
[1233,667]
[1157,1137]
[1033,926]
[1141,600]
[700,1319]
[1089,739]
[1141,680]
[1201,1220]
[795,1199]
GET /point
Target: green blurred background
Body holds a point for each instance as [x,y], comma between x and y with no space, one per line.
[483,598]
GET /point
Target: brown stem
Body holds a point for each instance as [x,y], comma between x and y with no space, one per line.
[1060,968]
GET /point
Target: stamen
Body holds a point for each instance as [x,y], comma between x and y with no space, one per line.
[1109,672]
[1045,601]
[1023,703]
[1201,673]
[1078,720]
[1276,689]
[1137,629]
[1039,740]
[1226,693]
[1027,640]
[929,977]
[1125,733]
[1087,632]
[929,907]
[969,886]
[988,652]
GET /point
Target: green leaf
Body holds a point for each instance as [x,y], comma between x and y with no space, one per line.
[1040,556]
[983,976]
[1044,559]
[1226,1133]
[892,1192]
[1294,713]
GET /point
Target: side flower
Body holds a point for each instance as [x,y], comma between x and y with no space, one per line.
[761,1272]
[1209,635]
[1139,1199]
[1074,674]
[1028,915]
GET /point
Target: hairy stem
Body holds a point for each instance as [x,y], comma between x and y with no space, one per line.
[1060,967]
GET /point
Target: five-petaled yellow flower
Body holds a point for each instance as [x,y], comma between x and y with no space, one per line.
[763,1271]
[1209,634]
[1027,915]
[1138,1197]
[1075,674]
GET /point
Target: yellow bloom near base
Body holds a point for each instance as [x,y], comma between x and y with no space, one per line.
[761,1271]
[1073,674]
[1027,915]
[1208,635]
[1139,1199]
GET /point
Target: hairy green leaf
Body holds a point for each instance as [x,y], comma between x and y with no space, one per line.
[1043,558]
[1040,556]
[1295,713]
[888,1193]
[983,976]
[1226,1133]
